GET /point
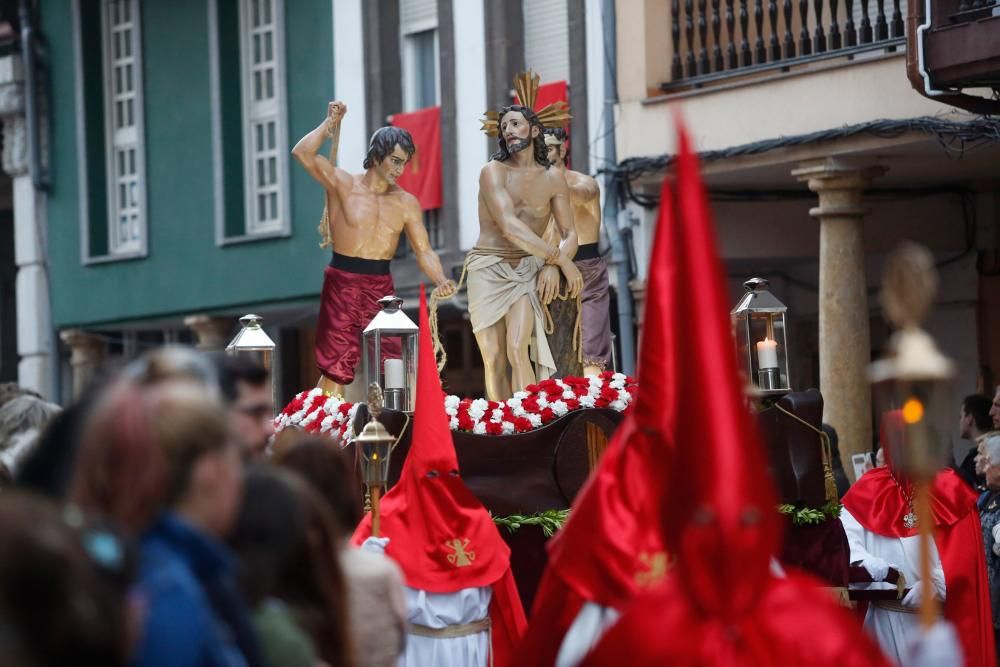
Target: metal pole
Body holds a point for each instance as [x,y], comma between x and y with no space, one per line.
[620,251]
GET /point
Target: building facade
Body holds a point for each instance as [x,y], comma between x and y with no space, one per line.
[819,158]
[173,206]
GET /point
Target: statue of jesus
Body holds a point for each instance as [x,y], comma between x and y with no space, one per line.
[366,214]
[518,193]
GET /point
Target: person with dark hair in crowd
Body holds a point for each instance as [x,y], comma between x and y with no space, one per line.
[158,459]
[377,604]
[287,540]
[246,391]
[63,587]
[365,216]
[989,516]
[973,421]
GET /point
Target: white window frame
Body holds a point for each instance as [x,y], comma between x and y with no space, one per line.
[411,24]
[409,56]
[259,114]
[128,141]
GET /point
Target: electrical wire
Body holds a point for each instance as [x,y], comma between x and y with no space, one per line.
[956,138]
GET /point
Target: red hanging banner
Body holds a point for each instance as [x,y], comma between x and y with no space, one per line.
[422,177]
[557,91]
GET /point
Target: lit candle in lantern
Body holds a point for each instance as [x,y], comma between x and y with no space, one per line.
[767,353]
[393,373]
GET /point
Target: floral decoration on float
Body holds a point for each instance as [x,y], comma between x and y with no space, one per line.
[313,411]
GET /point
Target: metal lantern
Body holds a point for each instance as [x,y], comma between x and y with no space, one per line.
[254,342]
[374,446]
[760,326]
[911,385]
[397,376]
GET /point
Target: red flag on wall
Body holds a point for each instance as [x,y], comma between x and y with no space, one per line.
[557,91]
[422,177]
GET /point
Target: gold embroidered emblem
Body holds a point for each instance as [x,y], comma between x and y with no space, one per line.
[656,565]
[461,556]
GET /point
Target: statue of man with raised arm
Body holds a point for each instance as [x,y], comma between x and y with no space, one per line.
[366,214]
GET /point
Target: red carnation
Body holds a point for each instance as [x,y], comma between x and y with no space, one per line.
[547,415]
[508,414]
[532,389]
[609,394]
[572,404]
[530,404]
[521,424]
[465,422]
[344,409]
[494,428]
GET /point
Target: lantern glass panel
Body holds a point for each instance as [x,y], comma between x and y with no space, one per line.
[375,461]
[390,361]
[763,349]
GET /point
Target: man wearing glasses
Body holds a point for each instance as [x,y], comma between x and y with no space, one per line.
[246,391]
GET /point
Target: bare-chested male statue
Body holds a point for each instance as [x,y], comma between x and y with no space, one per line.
[518,193]
[366,213]
[595,300]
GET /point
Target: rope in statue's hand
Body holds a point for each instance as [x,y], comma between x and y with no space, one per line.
[439,352]
[325,233]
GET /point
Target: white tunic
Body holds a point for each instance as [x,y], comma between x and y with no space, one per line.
[439,610]
[893,630]
[590,624]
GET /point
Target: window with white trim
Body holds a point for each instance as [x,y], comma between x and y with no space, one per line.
[126,169]
[418,23]
[418,29]
[265,161]
[546,38]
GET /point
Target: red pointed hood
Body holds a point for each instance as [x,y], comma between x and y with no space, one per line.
[612,544]
[439,533]
[720,518]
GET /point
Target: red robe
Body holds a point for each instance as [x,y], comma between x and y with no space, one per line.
[439,533]
[794,624]
[879,503]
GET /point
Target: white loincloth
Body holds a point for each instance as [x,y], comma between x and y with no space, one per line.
[495,286]
[894,631]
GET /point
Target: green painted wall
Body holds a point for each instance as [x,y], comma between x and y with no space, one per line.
[185,271]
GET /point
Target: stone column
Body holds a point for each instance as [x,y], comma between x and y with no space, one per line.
[213,332]
[844,339]
[86,356]
[35,340]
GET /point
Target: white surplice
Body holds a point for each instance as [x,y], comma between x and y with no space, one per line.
[893,630]
[439,610]
[590,624]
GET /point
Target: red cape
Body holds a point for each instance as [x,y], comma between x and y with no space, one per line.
[440,535]
[879,504]
[793,624]
[607,552]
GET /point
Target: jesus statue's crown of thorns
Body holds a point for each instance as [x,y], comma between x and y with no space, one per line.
[526,88]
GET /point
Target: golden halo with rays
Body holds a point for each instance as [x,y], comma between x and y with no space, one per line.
[526,86]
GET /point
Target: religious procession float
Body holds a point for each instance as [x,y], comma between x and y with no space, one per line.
[554,403]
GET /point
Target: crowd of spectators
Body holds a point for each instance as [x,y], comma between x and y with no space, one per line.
[150,523]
